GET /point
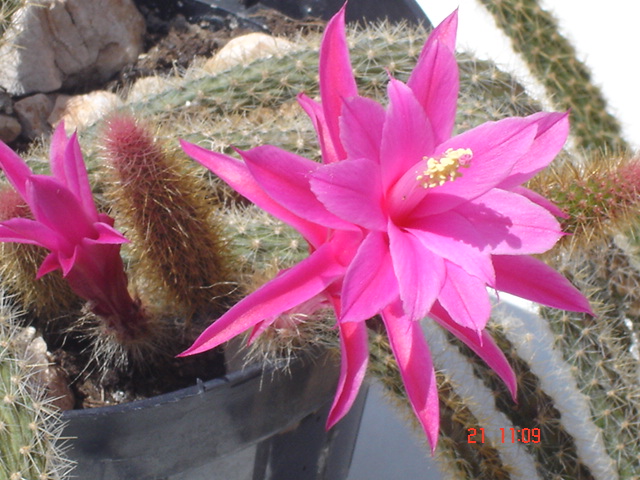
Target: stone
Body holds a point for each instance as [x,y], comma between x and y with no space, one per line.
[33,113]
[69,43]
[10,128]
[79,111]
[31,349]
[245,49]
[147,87]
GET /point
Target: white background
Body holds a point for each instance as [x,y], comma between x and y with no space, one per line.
[605,33]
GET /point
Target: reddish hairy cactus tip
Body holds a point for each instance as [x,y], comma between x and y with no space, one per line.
[12,205]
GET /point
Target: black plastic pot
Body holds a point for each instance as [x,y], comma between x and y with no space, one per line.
[249,425]
[246,13]
[357,10]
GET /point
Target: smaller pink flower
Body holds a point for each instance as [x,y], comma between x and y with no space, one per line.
[82,242]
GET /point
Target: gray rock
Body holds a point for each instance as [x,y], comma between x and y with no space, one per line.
[65,43]
[79,111]
[33,113]
[9,128]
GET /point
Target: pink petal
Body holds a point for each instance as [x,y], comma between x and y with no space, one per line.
[355,355]
[465,298]
[416,368]
[435,78]
[335,76]
[237,175]
[553,129]
[14,168]
[530,278]
[419,271]
[539,200]
[75,176]
[307,308]
[454,238]
[289,289]
[57,149]
[56,207]
[68,262]
[496,147]
[285,176]
[258,329]
[444,33]
[49,264]
[482,344]
[361,128]
[370,282]
[352,190]
[106,219]
[511,224]
[107,234]
[24,230]
[407,135]
[316,114]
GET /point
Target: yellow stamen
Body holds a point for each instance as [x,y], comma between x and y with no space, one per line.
[446,168]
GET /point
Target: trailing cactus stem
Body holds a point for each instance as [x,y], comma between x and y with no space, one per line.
[601,350]
[552,59]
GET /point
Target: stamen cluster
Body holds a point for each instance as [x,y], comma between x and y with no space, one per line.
[446,168]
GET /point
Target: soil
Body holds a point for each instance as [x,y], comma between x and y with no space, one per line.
[91,387]
[173,41]
[171,44]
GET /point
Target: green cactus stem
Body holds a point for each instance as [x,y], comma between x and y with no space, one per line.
[30,426]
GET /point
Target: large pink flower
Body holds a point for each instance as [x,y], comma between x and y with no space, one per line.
[82,242]
[403,220]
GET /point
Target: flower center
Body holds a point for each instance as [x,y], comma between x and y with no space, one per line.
[446,168]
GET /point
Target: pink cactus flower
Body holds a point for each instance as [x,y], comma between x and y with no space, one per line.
[403,219]
[82,242]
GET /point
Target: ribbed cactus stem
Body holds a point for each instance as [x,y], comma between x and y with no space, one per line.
[489,94]
[553,61]
[248,105]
